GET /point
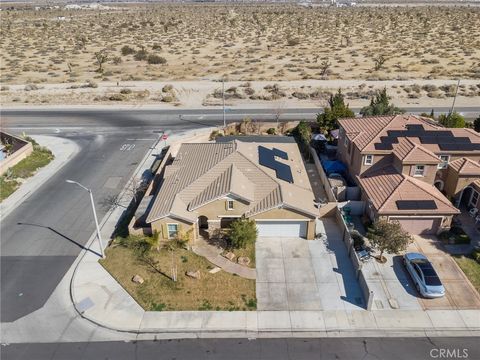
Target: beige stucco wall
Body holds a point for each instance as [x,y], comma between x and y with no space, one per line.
[161,227]
[429,173]
[217,208]
[16,157]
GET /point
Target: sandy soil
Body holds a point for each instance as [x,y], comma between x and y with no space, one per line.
[197,94]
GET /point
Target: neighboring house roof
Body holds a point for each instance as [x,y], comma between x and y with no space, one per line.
[409,152]
[205,172]
[380,133]
[385,186]
[476,184]
[465,166]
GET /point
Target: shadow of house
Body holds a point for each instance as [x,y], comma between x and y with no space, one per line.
[403,276]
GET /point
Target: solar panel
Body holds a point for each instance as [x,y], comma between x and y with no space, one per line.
[280,153]
[416,205]
[266,157]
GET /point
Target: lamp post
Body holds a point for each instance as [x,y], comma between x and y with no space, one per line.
[94,214]
[223,104]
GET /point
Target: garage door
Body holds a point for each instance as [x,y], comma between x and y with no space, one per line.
[420,225]
[282,228]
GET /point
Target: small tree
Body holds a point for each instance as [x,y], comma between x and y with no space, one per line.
[303,134]
[379,61]
[243,232]
[380,105]
[101,58]
[453,120]
[476,124]
[336,109]
[324,66]
[388,237]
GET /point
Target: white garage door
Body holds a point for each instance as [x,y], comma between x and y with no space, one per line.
[282,228]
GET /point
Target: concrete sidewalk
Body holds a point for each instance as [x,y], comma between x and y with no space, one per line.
[63,149]
[99,298]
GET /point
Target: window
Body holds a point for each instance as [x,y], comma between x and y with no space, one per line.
[368,160]
[474,199]
[229,204]
[419,170]
[172,230]
[444,163]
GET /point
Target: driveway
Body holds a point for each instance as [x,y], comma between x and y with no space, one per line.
[298,274]
[460,293]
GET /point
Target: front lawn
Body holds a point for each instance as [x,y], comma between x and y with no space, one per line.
[219,291]
[248,251]
[471,268]
[26,168]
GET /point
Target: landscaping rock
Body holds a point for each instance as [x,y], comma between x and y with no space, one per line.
[243,260]
[193,274]
[138,279]
[215,270]
[230,256]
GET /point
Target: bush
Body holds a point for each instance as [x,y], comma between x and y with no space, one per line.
[155,59]
[127,50]
[31,87]
[141,55]
[243,232]
[168,98]
[116,97]
[293,41]
[476,255]
[271,131]
[156,47]
[214,134]
[126,91]
[167,88]
[358,240]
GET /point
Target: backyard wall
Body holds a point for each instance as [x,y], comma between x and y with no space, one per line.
[20,150]
[323,177]
[368,294]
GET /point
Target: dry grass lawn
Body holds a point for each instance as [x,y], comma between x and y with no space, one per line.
[471,268]
[220,291]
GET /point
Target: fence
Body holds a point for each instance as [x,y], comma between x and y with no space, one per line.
[368,294]
[20,150]
[323,177]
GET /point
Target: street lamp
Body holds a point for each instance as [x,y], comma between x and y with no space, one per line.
[94,214]
[223,104]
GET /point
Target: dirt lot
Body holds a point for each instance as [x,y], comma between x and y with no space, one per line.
[460,293]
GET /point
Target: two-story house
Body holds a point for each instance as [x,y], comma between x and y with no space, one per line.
[412,170]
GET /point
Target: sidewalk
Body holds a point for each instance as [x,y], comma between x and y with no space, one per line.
[63,149]
[101,300]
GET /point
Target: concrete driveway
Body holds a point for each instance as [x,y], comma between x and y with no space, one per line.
[298,274]
[460,293]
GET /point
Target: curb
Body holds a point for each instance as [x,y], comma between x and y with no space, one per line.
[268,332]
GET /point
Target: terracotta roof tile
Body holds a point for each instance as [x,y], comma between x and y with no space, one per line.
[386,186]
[465,166]
[410,152]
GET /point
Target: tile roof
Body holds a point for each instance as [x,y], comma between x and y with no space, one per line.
[370,134]
[205,172]
[386,186]
[465,166]
[409,152]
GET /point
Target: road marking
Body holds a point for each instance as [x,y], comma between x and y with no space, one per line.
[127,147]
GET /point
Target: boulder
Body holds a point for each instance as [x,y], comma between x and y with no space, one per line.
[138,279]
[230,255]
[193,274]
[243,260]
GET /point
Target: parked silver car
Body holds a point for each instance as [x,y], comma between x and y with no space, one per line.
[424,275]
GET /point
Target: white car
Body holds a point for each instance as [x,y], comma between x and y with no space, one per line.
[424,275]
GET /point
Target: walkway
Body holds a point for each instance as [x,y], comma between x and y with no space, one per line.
[212,254]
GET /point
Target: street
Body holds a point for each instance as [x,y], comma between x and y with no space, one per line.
[251,349]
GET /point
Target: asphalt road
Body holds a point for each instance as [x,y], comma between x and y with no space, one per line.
[239,349]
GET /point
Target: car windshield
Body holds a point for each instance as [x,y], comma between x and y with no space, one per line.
[431,277]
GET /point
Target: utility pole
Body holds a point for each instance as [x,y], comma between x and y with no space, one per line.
[455,98]
[223,102]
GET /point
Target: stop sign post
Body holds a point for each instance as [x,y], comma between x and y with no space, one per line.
[164,138]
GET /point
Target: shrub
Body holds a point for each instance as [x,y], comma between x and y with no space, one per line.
[293,41]
[126,91]
[243,232]
[127,50]
[116,97]
[141,55]
[167,88]
[155,59]
[214,134]
[31,87]
[357,238]
[168,98]
[156,47]
[271,131]
[476,255]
